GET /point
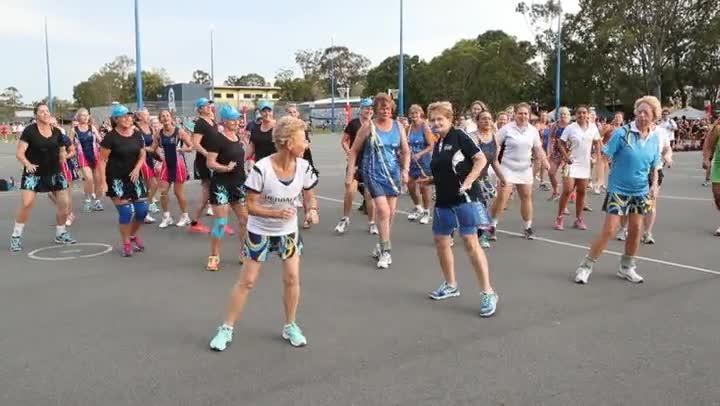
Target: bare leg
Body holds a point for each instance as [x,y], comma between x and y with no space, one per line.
[445,256]
[291,287]
[240,291]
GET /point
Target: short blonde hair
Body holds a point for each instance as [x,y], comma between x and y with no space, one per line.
[444,108]
[565,110]
[383,99]
[522,105]
[651,101]
[418,108]
[285,129]
[80,111]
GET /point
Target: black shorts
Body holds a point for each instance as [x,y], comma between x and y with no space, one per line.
[224,192]
[200,169]
[43,183]
[661,176]
[125,189]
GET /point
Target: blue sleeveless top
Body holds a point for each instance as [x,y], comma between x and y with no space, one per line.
[380,157]
[169,146]
[87,143]
[489,149]
[148,139]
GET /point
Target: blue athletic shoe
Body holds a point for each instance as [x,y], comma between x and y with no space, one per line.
[488,304]
[15,244]
[222,338]
[445,291]
[64,238]
[294,335]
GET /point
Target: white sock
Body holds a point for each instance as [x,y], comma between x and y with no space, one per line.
[92,195]
[185,215]
[227,327]
[418,207]
[528,224]
[18,230]
[59,230]
[166,214]
[494,222]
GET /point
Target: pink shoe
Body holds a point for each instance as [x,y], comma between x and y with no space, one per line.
[580,224]
[127,250]
[559,223]
[137,243]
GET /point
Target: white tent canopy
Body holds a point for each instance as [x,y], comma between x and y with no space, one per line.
[689,113]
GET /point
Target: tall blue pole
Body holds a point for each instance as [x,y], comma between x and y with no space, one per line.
[212,63]
[47,64]
[557,67]
[401,73]
[138,61]
[332,84]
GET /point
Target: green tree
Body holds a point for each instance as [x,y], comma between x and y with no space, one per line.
[11,96]
[153,84]
[347,67]
[201,77]
[385,76]
[292,88]
[115,82]
[251,79]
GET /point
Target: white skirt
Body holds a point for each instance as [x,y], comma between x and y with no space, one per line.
[578,171]
[517,177]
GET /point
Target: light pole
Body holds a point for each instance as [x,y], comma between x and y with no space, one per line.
[212,63]
[47,63]
[138,61]
[557,67]
[401,73]
[332,84]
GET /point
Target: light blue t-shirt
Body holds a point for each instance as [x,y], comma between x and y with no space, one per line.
[632,160]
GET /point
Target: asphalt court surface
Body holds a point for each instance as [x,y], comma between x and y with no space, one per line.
[114,331]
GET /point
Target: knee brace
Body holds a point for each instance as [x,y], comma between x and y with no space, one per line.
[124,213]
[218,230]
[141,211]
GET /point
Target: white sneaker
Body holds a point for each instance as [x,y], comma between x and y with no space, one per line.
[166,221]
[414,215]
[582,275]
[621,235]
[629,274]
[149,220]
[425,218]
[384,261]
[153,208]
[376,251]
[342,225]
[209,212]
[717,232]
[374,229]
[184,221]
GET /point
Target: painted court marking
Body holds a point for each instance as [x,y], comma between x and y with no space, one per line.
[571,245]
[105,248]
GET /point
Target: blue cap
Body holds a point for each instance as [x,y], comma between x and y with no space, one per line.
[228,112]
[264,105]
[119,110]
[202,102]
[366,102]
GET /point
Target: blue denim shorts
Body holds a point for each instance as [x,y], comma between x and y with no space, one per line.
[465,217]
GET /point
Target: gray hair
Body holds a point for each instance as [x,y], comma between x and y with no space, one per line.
[80,111]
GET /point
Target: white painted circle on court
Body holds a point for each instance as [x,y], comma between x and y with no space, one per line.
[70,249]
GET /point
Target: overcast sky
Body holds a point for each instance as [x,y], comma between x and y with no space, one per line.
[256,36]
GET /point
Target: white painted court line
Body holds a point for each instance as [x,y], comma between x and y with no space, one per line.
[571,245]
